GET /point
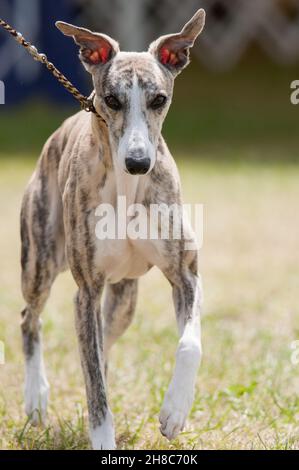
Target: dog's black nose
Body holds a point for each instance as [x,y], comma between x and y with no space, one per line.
[138,166]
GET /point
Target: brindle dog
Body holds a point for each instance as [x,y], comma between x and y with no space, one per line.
[86,163]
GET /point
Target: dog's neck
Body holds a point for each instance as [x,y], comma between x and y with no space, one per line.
[126,184]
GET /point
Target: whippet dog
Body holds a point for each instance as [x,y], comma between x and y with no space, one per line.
[86,163]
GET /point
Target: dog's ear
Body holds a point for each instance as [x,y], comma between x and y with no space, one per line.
[172,50]
[95,48]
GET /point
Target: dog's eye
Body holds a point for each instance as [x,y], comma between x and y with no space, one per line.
[158,102]
[112,102]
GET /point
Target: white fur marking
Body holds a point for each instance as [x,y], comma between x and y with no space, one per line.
[36,387]
[136,135]
[180,394]
[102,437]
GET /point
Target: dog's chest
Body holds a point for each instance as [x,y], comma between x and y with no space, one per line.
[118,255]
[119,259]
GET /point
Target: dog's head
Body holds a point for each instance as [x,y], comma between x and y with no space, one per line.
[134,89]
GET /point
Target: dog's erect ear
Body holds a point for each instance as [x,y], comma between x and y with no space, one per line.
[172,50]
[95,48]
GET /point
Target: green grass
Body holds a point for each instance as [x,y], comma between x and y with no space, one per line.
[247,388]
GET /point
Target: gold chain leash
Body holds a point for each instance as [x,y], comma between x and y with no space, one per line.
[86,102]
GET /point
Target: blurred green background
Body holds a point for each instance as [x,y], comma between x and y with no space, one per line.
[242,113]
[231,106]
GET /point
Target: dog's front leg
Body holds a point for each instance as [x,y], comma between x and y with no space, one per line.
[89,331]
[187,295]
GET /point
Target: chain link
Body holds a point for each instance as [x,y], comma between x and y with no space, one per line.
[86,102]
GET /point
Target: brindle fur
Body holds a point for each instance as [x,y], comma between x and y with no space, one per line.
[77,171]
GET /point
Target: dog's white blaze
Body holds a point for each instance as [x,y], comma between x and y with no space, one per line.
[102,437]
[36,386]
[136,135]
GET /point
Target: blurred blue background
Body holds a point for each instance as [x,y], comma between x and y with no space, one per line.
[24,78]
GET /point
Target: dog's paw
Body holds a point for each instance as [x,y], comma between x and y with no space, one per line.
[36,401]
[172,422]
[174,412]
[103,437]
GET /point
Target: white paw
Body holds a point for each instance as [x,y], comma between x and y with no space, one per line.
[36,387]
[102,437]
[175,410]
[36,400]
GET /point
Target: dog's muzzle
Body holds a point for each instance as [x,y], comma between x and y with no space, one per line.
[137,166]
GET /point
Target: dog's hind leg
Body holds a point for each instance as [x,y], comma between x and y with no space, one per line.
[119,307]
[36,384]
[42,255]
